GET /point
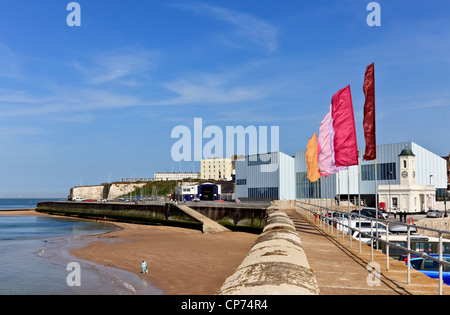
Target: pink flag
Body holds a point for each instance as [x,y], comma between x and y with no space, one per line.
[326,148]
[345,146]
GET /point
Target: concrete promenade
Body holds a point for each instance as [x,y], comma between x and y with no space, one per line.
[342,270]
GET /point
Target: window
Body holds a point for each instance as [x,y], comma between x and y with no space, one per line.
[385,171]
[260,160]
[394,202]
[263,193]
[404,163]
[430,265]
[241,181]
[306,189]
[416,263]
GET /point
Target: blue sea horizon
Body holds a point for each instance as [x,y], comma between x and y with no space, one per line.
[23,203]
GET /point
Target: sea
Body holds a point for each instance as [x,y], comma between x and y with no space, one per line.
[35,257]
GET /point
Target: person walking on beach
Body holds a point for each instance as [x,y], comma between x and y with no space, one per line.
[144,266]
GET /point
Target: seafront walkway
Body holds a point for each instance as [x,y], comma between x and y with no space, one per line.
[343,270]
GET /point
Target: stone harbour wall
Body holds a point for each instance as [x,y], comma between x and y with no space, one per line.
[276,263]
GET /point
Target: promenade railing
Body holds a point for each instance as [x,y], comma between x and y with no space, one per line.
[336,221]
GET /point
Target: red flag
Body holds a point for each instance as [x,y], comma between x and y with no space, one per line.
[369,114]
[345,145]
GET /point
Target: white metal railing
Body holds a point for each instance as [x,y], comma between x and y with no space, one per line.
[329,217]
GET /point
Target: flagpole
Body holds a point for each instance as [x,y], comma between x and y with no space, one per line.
[376,197]
[339,192]
[348,206]
[359,205]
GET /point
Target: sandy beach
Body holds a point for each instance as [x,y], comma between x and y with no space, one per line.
[180,261]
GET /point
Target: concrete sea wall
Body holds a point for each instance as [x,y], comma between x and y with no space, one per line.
[276,264]
[242,219]
[155,214]
[435,223]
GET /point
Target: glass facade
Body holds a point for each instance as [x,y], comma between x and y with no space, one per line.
[385,171]
[263,193]
[306,189]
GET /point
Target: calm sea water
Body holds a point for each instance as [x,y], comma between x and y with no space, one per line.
[34,255]
[22,203]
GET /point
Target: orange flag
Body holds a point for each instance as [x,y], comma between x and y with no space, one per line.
[312,163]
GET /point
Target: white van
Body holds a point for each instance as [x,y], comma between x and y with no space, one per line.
[77,199]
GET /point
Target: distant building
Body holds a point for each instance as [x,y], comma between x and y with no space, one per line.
[447,158]
[216,168]
[175,176]
[204,191]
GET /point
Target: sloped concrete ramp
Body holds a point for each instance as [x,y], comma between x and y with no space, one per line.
[209,226]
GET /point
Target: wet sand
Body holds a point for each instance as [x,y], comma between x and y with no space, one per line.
[180,261]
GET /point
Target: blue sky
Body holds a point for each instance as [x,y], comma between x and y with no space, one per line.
[99,101]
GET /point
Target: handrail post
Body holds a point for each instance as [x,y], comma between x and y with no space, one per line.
[387,245]
[360,231]
[440,263]
[409,256]
[371,240]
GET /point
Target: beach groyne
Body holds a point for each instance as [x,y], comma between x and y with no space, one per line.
[276,263]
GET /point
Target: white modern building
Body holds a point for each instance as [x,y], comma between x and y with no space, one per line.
[175,176]
[409,187]
[268,176]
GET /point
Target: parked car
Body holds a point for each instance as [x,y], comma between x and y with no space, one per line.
[431,267]
[196,199]
[434,214]
[372,213]
[365,238]
[77,199]
[400,229]
[354,223]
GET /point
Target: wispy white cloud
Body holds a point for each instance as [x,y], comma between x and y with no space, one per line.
[122,67]
[253,29]
[9,63]
[207,92]
[8,132]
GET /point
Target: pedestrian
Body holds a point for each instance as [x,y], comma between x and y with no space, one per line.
[144,267]
[395,213]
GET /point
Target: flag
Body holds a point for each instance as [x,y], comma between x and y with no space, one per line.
[325,141]
[345,145]
[324,147]
[311,159]
[369,114]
